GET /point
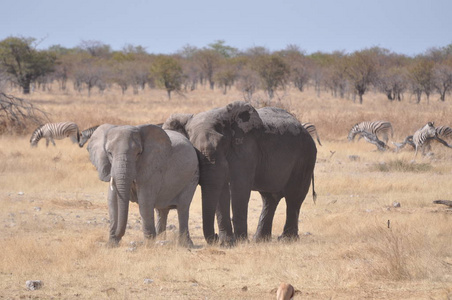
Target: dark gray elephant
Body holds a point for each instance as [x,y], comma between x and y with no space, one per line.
[159,167]
[242,149]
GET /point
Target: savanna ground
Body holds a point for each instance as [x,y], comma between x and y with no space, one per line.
[54,219]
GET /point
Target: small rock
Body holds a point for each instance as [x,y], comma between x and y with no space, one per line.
[244,289]
[148,281]
[396,204]
[37,208]
[194,284]
[34,284]
[20,193]
[171,227]
[353,157]
[307,233]
[162,243]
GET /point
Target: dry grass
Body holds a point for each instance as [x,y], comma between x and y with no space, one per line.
[54,213]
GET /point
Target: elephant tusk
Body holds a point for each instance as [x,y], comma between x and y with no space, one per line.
[111,183]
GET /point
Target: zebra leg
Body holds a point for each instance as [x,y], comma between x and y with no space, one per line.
[53,142]
[47,142]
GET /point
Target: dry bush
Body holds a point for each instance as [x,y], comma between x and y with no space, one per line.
[54,214]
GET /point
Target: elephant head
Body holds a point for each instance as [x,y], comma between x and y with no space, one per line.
[215,134]
[125,156]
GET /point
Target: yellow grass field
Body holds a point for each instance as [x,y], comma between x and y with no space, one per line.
[54,218]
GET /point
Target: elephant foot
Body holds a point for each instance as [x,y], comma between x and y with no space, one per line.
[227,241]
[113,242]
[288,237]
[262,238]
[212,239]
[185,241]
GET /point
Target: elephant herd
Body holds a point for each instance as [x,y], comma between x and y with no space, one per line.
[229,151]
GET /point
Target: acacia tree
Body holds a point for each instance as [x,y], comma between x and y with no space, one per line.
[362,70]
[168,72]
[442,77]
[421,76]
[273,71]
[23,62]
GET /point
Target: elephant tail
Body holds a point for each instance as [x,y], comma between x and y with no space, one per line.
[314,194]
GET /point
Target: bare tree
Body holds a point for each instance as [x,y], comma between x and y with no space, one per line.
[442,78]
[17,113]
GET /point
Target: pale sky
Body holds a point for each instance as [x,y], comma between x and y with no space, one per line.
[403,26]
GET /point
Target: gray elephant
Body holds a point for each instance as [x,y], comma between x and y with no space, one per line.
[242,149]
[156,168]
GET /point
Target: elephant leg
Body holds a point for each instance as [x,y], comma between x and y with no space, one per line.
[223,213]
[264,228]
[240,196]
[146,207]
[162,217]
[295,196]
[113,213]
[183,212]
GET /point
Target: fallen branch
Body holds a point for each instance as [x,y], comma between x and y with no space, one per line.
[445,202]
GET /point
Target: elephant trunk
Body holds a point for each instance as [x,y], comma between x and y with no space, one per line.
[123,174]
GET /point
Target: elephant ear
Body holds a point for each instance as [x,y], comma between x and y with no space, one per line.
[97,153]
[244,116]
[156,149]
[178,122]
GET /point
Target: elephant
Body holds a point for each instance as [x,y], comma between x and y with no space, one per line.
[241,149]
[158,169]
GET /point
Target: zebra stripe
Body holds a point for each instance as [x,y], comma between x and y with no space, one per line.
[422,137]
[86,135]
[444,132]
[57,131]
[312,131]
[382,128]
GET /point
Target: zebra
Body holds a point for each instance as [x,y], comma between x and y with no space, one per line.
[58,131]
[442,133]
[86,134]
[377,127]
[312,131]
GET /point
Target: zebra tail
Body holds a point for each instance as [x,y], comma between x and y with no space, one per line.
[314,194]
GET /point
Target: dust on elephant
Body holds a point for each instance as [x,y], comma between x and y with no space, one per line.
[242,149]
[156,168]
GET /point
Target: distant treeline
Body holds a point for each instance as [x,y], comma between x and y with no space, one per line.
[93,64]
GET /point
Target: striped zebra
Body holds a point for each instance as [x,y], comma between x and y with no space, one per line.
[57,131]
[312,131]
[86,134]
[442,133]
[422,137]
[382,128]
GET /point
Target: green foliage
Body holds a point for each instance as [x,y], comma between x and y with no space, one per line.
[23,62]
[168,73]
[399,165]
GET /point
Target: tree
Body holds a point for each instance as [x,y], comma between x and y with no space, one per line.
[299,66]
[208,61]
[273,71]
[23,62]
[442,78]
[362,70]
[168,72]
[421,76]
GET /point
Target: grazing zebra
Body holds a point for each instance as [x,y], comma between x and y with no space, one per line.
[312,131]
[57,131]
[86,134]
[377,127]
